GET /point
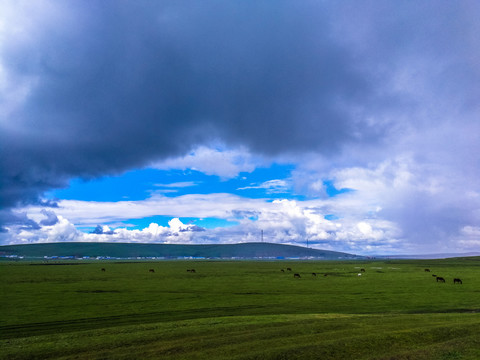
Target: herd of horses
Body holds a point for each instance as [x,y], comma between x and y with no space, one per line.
[153,270]
[297,275]
[442,280]
[438,278]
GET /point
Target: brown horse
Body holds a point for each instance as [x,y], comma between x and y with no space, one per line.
[457,281]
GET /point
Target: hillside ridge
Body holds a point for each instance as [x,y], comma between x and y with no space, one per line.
[141,250]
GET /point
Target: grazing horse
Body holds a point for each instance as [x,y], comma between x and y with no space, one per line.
[289,269]
[103,270]
[440,279]
[151,270]
[191,270]
[296,276]
[434,275]
[457,281]
[362,270]
[282,270]
[427,270]
[314,274]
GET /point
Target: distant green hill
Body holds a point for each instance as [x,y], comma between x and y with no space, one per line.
[128,250]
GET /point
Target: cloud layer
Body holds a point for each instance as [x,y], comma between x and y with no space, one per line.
[378,98]
[282,221]
[105,86]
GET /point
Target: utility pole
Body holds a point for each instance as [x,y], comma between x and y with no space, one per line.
[262,236]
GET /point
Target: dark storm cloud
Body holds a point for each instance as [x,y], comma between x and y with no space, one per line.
[19,220]
[117,84]
[111,85]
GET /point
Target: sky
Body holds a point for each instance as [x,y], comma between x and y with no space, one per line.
[339,125]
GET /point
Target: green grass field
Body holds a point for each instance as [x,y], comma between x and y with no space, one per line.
[240,310]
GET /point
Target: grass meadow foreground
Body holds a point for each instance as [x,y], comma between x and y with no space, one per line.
[240,310]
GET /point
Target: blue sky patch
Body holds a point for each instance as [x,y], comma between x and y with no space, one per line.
[272,182]
[331,217]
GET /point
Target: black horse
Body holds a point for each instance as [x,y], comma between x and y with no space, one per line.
[296,276]
[440,279]
[103,270]
[457,281]
[151,270]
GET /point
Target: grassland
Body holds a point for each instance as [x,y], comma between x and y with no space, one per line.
[240,310]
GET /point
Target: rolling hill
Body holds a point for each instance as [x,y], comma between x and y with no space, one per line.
[129,250]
